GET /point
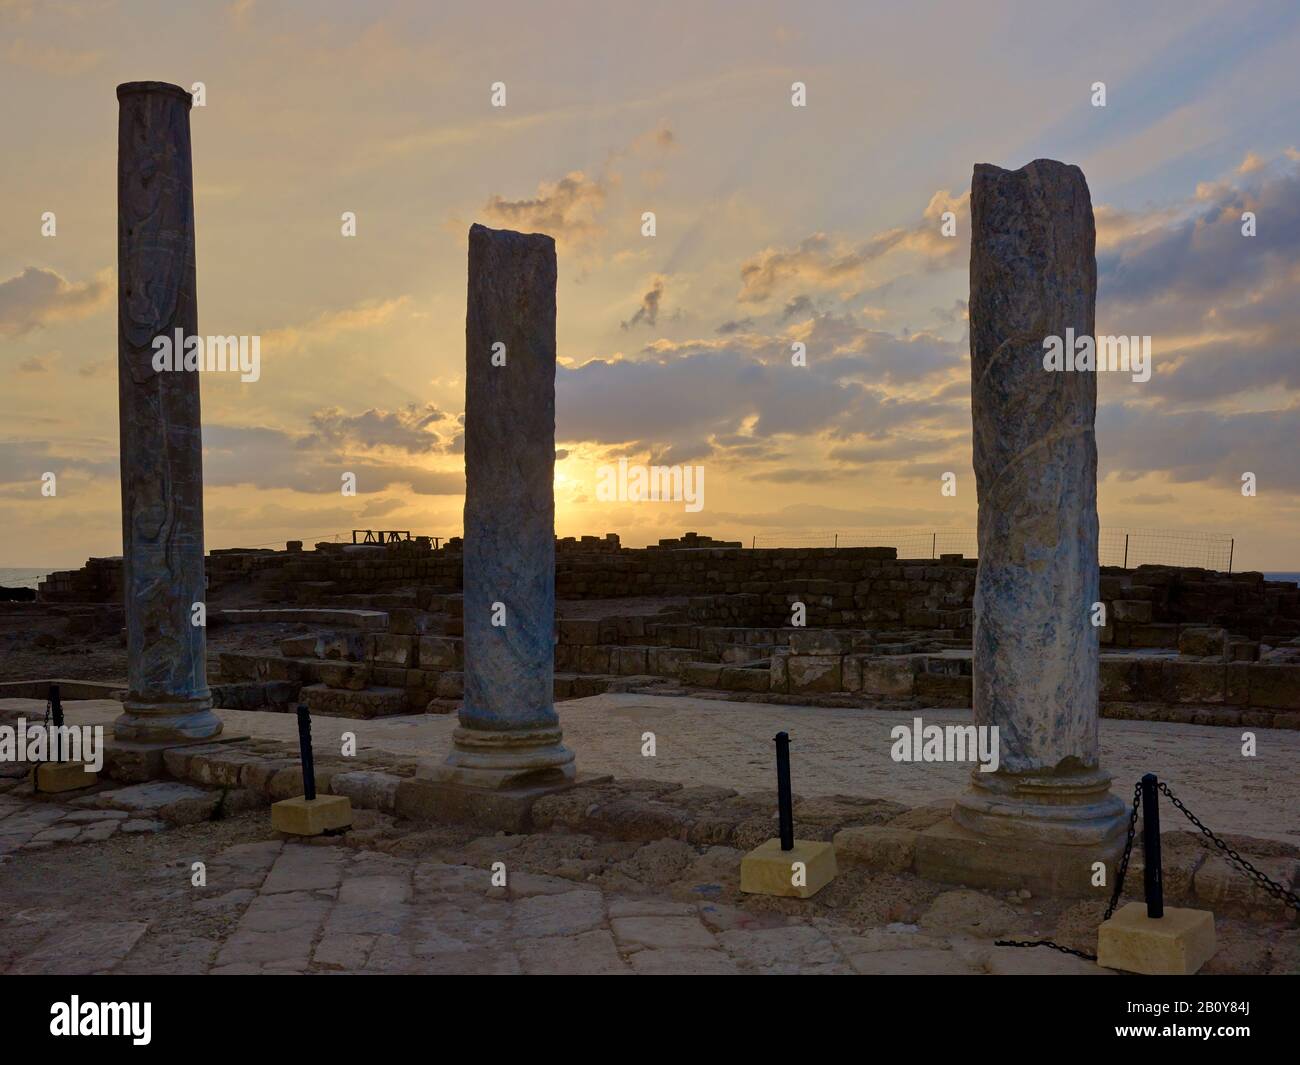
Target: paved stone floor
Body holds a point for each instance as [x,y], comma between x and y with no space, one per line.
[834,751]
[95,903]
[107,882]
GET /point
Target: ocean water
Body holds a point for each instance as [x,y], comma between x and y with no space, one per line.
[21,577]
[1282,576]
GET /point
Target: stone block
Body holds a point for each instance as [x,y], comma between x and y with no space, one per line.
[888,676]
[392,649]
[668,661]
[372,702]
[580,631]
[1275,686]
[851,673]
[54,777]
[1177,944]
[1197,642]
[1153,635]
[594,659]
[1194,682]
[943,689]
[298,646]
[1132,610]
[701,674]
[439,652]
[743,679]
[451,685]
[301,816]
[628,661]
[820,642]
[797,873]
[343,646]
[370,790]
[349,676]
[952,854]
[815,673]
[880,848]
[779,676]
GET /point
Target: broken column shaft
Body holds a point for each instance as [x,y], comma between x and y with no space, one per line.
[509,733]
[158,414]
[1033,275]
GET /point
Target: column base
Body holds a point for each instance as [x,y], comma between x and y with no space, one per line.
[497,760]
[1074,809]
[1042,834]
[176,720]
[948,853]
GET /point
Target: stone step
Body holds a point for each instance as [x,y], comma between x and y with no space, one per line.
[366,703]
[370,620]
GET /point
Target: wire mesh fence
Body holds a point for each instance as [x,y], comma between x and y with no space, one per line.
[1128,548]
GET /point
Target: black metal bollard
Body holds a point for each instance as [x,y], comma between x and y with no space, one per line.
[56,716]
[784,800]
[304,746]
[1154,885]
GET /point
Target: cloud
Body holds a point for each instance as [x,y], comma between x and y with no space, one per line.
[273,458]
[736,325]
[823,262]
[1222,309]
[707,396]
[22,462]
[38,297]
[51,59]
[566,209]
[800,305]
[407,429]
[38,363]
[365,315]
[817,260]
[1202,446]
[648,312]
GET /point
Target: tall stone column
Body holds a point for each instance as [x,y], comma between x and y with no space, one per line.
[509,734]
[159,422]
[1046,816]
[1033,274]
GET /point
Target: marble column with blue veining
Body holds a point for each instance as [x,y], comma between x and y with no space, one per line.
[1033,275]
[509,734]
[159,422]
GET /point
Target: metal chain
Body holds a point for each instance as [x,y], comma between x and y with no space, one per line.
[1044,943]
[1114,899]
[1271,886]
[46,721]
[1128,851]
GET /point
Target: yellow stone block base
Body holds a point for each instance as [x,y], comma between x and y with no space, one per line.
[52,777]
[300,816]
[768,870]
[1176,944]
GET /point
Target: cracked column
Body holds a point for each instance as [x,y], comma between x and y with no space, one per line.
[1047,813]
[159,423]
[509,734]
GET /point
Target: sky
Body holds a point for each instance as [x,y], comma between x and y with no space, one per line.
[775,225]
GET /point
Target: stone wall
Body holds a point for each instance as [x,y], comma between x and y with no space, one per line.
[841,587]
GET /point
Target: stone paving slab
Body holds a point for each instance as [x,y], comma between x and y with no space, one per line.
[277,906]
[716,742]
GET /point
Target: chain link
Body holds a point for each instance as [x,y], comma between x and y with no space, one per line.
[1128,851]
[1272,887]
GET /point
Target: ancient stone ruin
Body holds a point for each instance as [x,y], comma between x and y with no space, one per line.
[671,664]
